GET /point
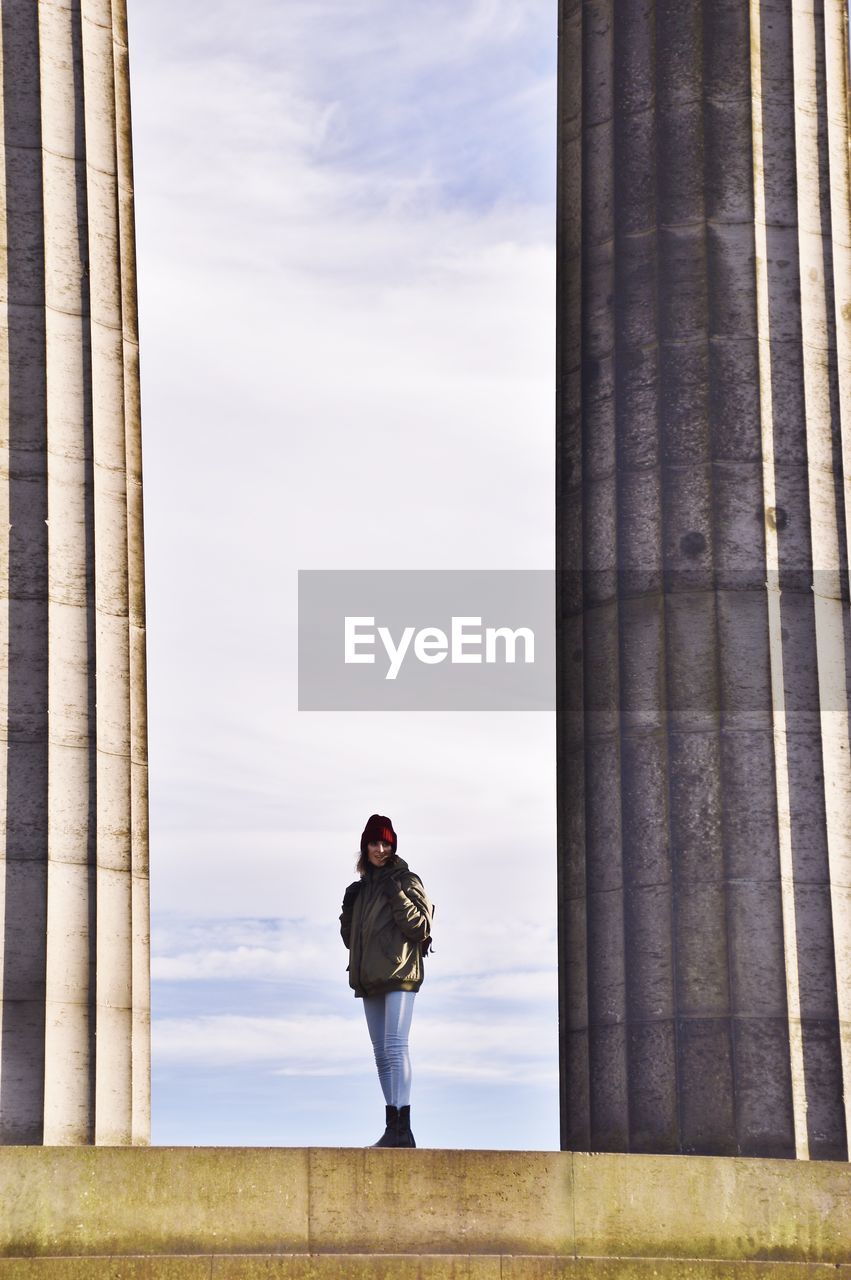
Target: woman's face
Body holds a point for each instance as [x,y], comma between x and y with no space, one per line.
[378,851]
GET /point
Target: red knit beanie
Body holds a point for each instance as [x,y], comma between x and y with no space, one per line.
[378,828]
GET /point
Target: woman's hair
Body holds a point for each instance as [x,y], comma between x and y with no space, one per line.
[363,862]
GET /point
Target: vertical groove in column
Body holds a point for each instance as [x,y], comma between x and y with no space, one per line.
[809,851]
[838,125]
[609,1101]
[573,952]
[23,584]
[113,1101]
[5,458]
[763,235]
[74,903]
[797,688]
[71,921]
[750,686]
[140,911]
[706,1067]
[830,1066]
[749,820]
[648,889]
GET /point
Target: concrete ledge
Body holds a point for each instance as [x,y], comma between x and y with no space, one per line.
[225,1212]
[442,1266]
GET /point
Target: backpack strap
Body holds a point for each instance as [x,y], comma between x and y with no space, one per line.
[427,945]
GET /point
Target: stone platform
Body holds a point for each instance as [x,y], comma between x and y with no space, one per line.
[319,1213]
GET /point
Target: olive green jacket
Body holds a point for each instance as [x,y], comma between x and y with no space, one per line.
[384,934]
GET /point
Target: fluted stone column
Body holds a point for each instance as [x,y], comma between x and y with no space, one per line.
[703,523]
[74,959]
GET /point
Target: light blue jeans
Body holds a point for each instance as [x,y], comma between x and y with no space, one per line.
[388,1018]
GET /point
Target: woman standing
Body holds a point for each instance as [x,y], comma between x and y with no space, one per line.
[386,925]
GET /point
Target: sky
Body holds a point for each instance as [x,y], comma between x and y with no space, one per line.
[345,234]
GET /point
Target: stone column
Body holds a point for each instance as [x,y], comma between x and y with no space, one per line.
[703,521]
[74,959]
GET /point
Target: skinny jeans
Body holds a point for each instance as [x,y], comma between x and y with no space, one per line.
[388,1018]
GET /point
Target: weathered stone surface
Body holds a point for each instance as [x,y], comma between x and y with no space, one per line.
[154,1268]
[705,1207]
[359,1266]
[493,1201]
[90,1200]
[410,1267]
[704,349]
[75,1048]
[664,1269]
[296,1207]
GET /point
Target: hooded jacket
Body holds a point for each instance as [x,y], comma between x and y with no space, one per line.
[385,932]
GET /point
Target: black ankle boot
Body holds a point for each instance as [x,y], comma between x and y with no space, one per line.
[406,1138]
[390,1136]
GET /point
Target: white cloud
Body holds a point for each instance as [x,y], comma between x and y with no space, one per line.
[490,962]
[255,827]
[346,269]
[498,1049]
[520,986]
[317,965]
[237,964]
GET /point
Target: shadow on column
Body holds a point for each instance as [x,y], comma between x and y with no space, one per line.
[24,927]
[816,961]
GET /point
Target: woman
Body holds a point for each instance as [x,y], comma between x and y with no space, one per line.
[386,925]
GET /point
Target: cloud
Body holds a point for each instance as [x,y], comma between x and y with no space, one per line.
[314,964]
[445,89]
[527,986]
[236,964]
[495,1049]
[345,218]
[247,823]
[488,963]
